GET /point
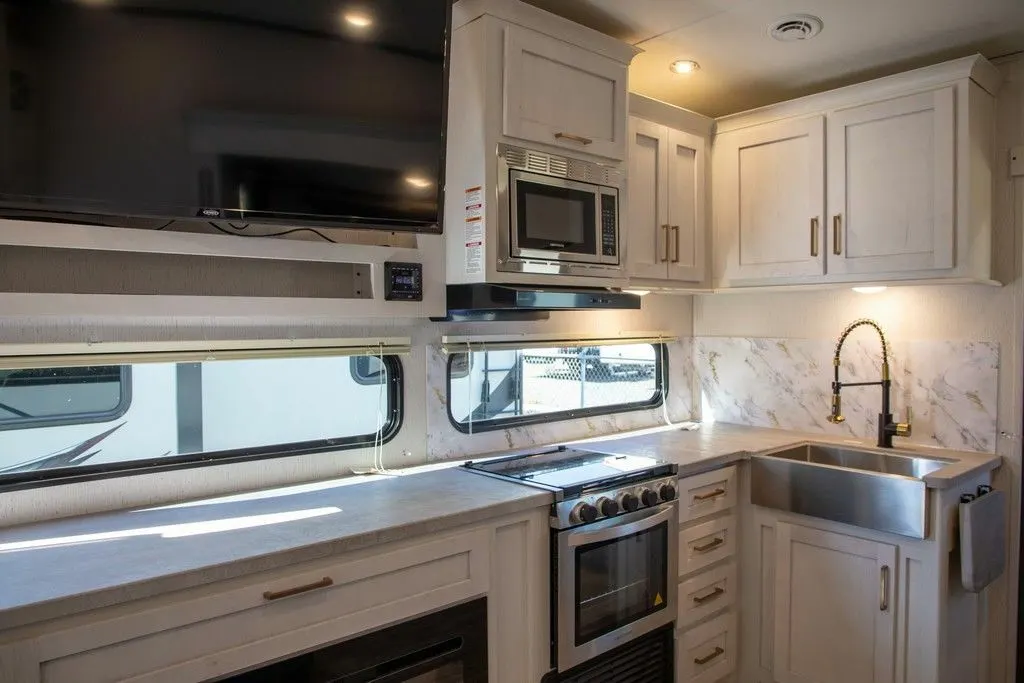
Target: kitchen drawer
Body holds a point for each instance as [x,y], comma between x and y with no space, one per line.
[206,633]
[705,494]
[707,653]
[706,593]
[704,544]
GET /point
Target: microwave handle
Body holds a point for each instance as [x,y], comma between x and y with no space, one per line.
[648,520]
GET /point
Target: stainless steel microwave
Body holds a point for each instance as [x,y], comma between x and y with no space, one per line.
[558,215]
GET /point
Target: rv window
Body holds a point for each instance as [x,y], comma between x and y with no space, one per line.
[66,423]
[495,389]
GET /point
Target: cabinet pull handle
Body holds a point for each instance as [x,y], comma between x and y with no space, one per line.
[575,138]
[883,589]
[675,231]
[701,661]
[709,546]
[288,592]
[837,230]
[665,229]
[713,595]
[814,236]
[709,496]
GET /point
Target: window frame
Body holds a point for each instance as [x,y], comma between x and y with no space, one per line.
[661,383]
[64,475]
[70,419]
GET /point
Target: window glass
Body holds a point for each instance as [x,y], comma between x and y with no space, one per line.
[490,389]
[58,422]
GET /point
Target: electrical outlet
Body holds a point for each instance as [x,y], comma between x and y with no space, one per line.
[1017,161]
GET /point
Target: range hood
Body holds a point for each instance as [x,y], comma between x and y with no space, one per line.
[473,302]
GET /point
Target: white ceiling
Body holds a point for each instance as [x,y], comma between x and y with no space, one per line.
[743,67]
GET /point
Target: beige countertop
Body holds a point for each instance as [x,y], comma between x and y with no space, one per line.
[67,566]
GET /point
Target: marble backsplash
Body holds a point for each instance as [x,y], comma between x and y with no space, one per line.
[786,383]
[444,442]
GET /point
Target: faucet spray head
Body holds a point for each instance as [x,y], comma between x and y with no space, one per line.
[836,416]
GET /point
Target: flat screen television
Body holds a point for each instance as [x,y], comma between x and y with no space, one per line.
[297,112]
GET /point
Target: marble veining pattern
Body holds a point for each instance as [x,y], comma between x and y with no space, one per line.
[444,442]
[786,383]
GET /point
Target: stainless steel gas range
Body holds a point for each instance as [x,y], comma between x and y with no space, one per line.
[614,545]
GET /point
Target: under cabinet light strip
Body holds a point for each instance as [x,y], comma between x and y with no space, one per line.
[462,345]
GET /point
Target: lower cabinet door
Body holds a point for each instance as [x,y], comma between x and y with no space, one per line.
[709,652]
[834,611]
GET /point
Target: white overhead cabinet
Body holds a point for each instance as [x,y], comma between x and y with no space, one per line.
[559,94]
[770,199]
[884,181]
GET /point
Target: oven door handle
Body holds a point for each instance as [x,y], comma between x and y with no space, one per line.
[647,521]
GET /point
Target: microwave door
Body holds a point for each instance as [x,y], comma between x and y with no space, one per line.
[554,218]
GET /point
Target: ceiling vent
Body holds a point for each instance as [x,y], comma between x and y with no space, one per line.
[796,27]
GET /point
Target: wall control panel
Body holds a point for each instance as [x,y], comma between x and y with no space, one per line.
[403,281]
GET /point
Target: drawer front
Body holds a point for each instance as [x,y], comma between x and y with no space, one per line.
[705,544]
[705,494]
[349,599]
[707,653]
[706,593]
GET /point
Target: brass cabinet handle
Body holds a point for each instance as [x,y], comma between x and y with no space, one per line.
[713,595]
[288,592]
[675,230]
[701,661]
[837,230]
[708,496]
[883,589]
[709,546]
[575,138]
[665,229]
[814,236]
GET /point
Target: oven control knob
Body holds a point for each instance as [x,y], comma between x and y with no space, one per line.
[668,492]
[629,502]
[583,513]
[649,497]
[608,507]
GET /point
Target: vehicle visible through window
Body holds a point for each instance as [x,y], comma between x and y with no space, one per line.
[65,422]
[497,388]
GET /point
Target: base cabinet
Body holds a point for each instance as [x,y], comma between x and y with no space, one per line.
[834,607]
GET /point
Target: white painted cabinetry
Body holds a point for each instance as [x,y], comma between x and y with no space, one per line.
[885,181]
[835,602]
[563,95]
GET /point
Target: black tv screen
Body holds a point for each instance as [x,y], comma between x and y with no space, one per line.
[324,112]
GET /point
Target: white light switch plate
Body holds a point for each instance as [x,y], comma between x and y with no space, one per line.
[1017,161]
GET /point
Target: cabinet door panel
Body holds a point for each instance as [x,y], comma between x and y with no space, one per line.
[563,95]
[647,225]
[834,611]
[770,199]
[891,185]
[686,206]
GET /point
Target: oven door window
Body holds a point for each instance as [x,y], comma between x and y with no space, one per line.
[620,581]
[556,218]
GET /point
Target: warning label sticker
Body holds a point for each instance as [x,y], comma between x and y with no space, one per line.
[475,230]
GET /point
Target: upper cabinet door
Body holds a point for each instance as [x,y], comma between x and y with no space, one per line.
[647,229]
[891,185]
[562,95]
[770,200]
[686,199]
[834,607]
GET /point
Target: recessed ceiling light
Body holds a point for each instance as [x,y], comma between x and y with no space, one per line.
[869,290]
[684,66]
[358,19]
[418,182]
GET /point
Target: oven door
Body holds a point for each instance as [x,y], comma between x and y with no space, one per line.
[617,580]
[556,219]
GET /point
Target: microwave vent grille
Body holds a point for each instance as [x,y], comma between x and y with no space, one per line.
[549,164]
[515,157]
[560,166]
[537,162]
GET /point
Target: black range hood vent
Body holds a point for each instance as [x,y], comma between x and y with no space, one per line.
[482,302]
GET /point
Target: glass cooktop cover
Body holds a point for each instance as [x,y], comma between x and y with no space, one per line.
[568,468]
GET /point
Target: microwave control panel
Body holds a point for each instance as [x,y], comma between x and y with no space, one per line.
[403,281]
[609,225]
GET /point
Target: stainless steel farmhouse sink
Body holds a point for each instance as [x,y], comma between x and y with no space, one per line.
[866,488]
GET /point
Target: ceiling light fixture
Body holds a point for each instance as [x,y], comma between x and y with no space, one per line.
[684,66]
[870,290]
[418,182]
[358,19]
